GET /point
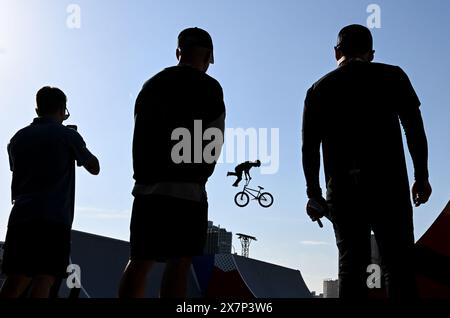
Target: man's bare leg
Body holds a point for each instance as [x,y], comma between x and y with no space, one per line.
[15,286]
[134,279]
[174,282]
[41,286]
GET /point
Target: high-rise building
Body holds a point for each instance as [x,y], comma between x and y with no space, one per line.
[315,295]
[375,252]
[218,240]
[331,288]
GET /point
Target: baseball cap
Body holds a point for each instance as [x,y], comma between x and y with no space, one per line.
[196,37]
[355,39]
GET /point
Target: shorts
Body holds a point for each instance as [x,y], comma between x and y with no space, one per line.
[37,248]
[164,227]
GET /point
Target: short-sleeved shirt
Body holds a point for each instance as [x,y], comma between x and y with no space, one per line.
[176,97]
[42,159]
[354,113]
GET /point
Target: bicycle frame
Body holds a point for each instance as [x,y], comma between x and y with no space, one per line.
[251,191]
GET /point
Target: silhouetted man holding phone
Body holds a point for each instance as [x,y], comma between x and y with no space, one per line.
[170,210]
[42,159]
[355,113]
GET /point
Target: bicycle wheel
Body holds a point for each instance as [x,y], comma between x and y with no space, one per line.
[265,200]
[241,199]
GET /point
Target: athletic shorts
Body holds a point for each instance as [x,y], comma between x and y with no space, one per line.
[40,248]
[164,227]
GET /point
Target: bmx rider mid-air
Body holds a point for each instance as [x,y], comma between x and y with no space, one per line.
[243,168]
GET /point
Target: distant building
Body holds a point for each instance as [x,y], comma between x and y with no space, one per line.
[315,295]
[218,240]
[376,259]
[375,252]
[331,288]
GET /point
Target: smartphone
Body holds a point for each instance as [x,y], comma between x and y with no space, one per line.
[313,204]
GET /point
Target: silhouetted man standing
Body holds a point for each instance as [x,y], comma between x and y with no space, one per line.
[355,112]
[170,210]
[243,168]
[42,159]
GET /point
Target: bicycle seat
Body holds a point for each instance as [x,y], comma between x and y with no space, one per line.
[260,188]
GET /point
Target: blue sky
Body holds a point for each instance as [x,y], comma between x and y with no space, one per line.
[268,53]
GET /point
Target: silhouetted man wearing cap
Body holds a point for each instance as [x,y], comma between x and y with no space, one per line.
[170,210]
[355,113]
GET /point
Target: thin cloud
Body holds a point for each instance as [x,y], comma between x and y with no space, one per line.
[315,243]
[281,219]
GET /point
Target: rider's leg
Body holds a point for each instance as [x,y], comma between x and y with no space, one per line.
[236,183]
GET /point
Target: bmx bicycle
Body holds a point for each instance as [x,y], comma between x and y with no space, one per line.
[242,199]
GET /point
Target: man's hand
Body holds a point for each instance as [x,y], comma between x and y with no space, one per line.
[316,209]
[421,192]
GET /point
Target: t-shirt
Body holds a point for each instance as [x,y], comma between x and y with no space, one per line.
[42,159]
[175,98]
[354,112]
